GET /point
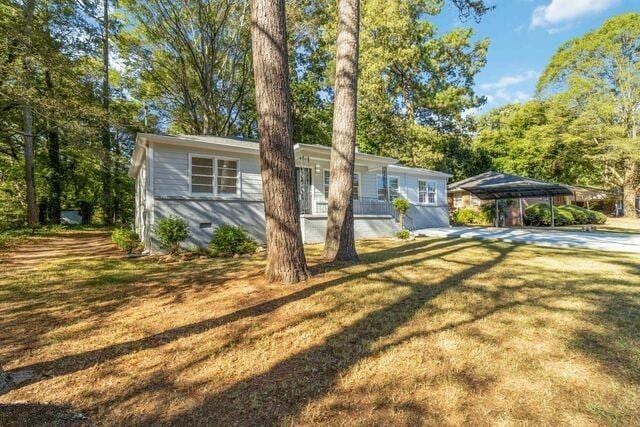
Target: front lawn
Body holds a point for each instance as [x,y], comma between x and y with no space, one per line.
[434,331]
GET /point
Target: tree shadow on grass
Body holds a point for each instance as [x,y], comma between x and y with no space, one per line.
[22,414]
[616,344]
[77,362]
[272,397]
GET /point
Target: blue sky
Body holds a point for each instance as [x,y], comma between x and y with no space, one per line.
[524,34]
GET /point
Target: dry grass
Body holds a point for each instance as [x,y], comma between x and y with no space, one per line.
[621,225]
[429,331]
[613,225]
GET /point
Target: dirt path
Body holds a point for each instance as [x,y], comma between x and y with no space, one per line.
[74,244]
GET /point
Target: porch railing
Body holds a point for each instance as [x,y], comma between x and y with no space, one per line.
[363,206]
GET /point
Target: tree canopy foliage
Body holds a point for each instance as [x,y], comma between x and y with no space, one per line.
[185,67]
[583,126]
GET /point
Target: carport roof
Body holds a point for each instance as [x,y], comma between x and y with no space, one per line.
[494,185]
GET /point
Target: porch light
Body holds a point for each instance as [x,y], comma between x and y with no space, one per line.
[317,168]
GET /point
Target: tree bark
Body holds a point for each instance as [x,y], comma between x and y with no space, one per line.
[106,134]
[340,239]
[629,189]
[27,119]
[285,254]
[55,179]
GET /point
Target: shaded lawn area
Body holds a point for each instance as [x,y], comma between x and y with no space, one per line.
[432,331]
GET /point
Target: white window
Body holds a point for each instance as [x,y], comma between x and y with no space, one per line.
[426,192]
[356,185]
[325,182]
[457,201]
[431,193]
[394,187]
[422,191]
[475,201]
[213,176]
[202,173]
[382,190]
[227,176]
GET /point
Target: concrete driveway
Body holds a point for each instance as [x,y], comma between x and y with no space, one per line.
[605,241]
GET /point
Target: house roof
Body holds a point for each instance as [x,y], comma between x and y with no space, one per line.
[325,151]
[251,146]
[419,171]
[495,185]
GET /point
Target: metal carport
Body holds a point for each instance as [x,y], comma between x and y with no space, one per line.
[496,186]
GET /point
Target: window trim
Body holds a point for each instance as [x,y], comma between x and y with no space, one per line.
[389,187]
[381,176]
[215,176]
[326,194]
[426,192]
[435,193]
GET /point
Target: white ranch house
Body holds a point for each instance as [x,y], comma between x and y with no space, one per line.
[212,181]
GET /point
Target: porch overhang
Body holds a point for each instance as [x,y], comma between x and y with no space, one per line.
[323,153]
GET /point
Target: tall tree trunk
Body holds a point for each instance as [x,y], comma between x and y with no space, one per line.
[106,135]
[631,175]
[285,254]
[27,118]
[4,380]
[340,240]
[629,188]
[55,180]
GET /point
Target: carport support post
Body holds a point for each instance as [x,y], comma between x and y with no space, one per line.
[497,214]
[521,212]
[553,217]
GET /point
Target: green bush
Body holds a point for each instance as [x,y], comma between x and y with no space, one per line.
[580,215]
[403,234]
[126,239]
[470,216]
[401,205]
[600,218]
[540,214]
[585,216]
[228,240]
[563,217]
[171,232]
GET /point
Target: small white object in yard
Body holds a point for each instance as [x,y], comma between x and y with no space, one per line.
[236,255]
[260,249]
[589,228]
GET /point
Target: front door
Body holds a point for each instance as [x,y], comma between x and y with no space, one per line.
[303,185]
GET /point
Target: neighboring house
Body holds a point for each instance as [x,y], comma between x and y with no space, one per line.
[488,187]
[522,192]
[212,181]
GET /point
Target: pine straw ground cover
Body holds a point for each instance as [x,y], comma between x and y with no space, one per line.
[429,331]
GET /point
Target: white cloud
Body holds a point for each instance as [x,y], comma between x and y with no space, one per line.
[507,81]
[564,11]
[506,96]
